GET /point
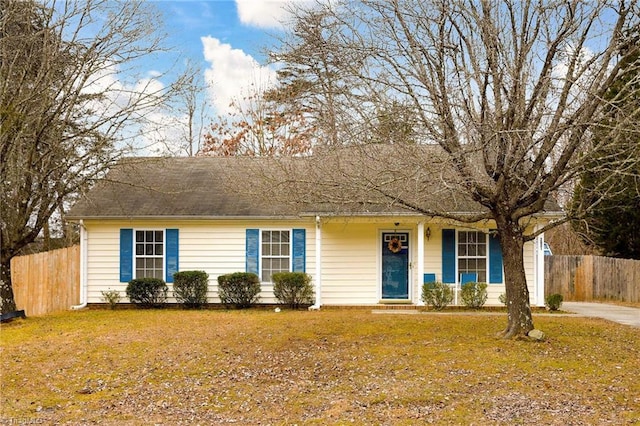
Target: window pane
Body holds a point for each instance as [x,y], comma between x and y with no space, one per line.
[482,249]
[472,250]
[462,250]
[149,254]
[275,253]
[462,265]
[266,270]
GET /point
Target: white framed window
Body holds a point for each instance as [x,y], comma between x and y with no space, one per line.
[149,254]
[275,253]
[472,253]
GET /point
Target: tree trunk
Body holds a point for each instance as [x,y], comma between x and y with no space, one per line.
[6,289]
[520,321]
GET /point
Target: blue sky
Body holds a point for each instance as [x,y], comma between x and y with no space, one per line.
[226,38]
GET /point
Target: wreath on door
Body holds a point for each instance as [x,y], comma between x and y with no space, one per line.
[394,246]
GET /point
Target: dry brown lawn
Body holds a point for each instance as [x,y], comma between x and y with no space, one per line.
[174,367]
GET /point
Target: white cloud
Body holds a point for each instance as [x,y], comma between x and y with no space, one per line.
[231,73]
[263,13]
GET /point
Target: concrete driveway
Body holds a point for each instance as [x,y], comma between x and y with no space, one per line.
[619,314]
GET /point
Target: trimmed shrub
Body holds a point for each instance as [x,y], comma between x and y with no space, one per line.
[190,288]
[437,295]
[147,292]
[553,301]
[240,289]
[293,289]
[474,295]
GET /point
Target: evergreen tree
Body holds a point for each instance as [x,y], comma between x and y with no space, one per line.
[613,222]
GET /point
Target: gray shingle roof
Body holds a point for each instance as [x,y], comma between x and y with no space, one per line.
[233,187]
[173,187]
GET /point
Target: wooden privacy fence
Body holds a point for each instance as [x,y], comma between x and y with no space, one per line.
[47,282]
[586,278]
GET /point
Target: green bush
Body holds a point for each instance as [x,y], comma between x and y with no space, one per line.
[474,295]
[437,295]
[112,297]
[147,292]
[503,299]
[293,288]
[240,289]
[553,301]
[190,288]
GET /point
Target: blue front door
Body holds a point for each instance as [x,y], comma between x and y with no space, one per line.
[395,265]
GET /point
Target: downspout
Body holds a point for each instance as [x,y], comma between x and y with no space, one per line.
[318,272]
[83,268]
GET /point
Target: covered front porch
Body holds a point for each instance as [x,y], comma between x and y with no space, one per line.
[385,260]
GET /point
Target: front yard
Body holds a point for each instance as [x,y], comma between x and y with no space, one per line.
[330,367]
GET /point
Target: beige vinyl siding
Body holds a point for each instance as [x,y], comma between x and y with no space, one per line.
[351,255]
[529,266]
[433,263]
[350,263]
[433,252]
[216,247]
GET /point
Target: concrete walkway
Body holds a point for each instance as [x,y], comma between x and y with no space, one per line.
[619,314]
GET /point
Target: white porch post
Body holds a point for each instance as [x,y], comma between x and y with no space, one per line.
[539,270]
[318,273]
[417,297]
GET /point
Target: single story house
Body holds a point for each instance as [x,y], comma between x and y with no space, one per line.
[153,217]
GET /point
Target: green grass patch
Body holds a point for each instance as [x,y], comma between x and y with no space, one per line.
[327,367]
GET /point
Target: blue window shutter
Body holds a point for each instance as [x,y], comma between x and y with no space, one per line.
[299,250]
[495,259]
[253,251]
[126,255]
[172,249]
[449,256]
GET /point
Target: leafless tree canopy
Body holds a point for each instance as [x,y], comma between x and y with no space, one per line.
[71,104]
[510,91]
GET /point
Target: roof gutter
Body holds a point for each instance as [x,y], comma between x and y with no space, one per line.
[83,268]
[79,219]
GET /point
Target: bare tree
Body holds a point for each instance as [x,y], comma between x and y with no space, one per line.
[259,127]
[502,98]
[182,129]
[71,104]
